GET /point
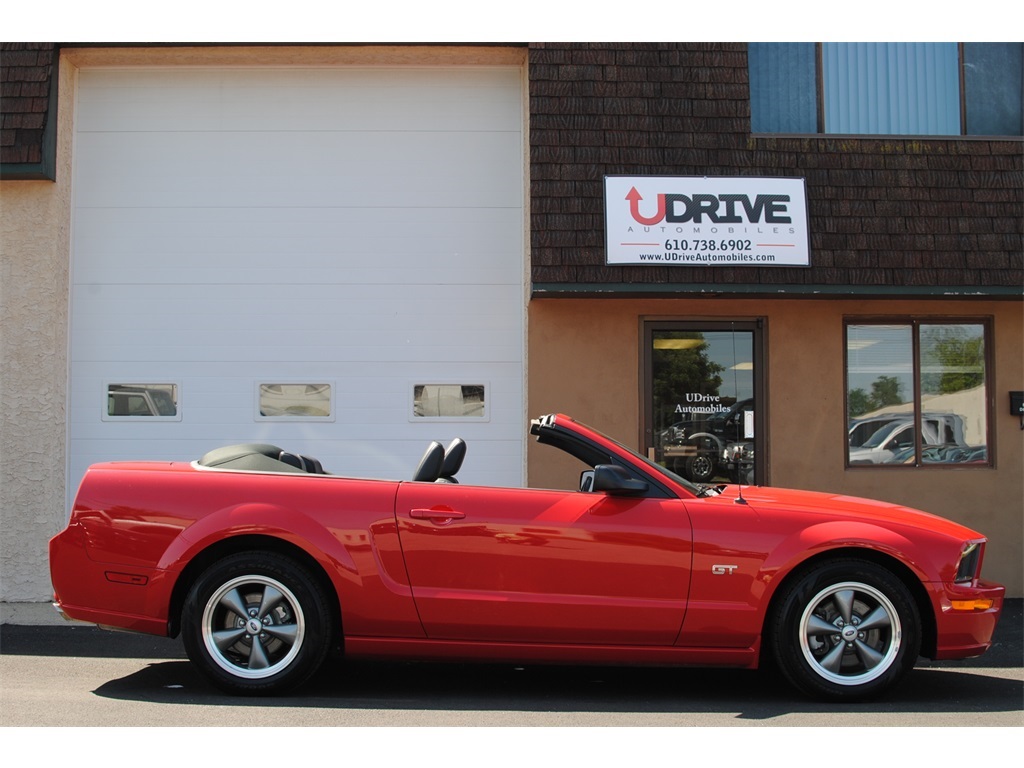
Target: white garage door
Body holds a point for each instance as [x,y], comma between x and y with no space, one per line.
[330,260]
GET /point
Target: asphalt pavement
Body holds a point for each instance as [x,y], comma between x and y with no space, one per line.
[79,675]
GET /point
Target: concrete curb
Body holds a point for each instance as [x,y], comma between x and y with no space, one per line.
[32,615]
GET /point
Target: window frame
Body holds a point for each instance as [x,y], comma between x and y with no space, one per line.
[915,322]
[820,104]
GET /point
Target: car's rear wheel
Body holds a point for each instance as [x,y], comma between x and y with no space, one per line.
[846,630]
[256,623]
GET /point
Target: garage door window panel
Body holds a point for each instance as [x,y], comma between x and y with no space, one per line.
[141,402]
[447,401]
[295,401]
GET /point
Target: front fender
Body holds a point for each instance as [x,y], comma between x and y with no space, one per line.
[734,587]
[809,542]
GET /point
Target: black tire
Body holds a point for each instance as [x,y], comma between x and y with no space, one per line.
[702,467]
[256,623]
[847,630]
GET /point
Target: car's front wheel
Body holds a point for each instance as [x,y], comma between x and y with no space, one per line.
[845,630]
[256,623]
[702,466]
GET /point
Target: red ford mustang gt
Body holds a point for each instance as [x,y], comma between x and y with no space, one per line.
[265,564]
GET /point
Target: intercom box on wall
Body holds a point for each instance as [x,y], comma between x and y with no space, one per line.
[1017,403]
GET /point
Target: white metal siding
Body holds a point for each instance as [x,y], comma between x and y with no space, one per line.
[360,226]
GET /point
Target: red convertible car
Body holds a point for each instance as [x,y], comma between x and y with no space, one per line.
[265,564]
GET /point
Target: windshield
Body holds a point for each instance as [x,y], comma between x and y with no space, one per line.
[163,402]
[883,434]
[653,467]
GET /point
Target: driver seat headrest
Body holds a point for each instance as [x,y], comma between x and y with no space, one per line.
[454,455]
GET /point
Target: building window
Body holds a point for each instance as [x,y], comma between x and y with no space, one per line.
[916,393]
[909,89]
[703,383]
[295,401]
[449,401]
[142,402]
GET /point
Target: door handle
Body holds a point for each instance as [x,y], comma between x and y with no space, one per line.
[439,516]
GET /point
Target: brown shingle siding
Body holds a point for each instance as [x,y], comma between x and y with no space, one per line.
[26,75]
[24,113]
[884,211]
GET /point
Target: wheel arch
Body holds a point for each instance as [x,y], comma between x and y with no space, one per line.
[719,443]
[892,564]
[248,543]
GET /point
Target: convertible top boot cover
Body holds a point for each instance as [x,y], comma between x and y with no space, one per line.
[254,457]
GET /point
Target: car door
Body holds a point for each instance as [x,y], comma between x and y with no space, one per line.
[544,566]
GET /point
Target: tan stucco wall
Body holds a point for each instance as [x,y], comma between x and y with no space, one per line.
[584,360]
[34,245]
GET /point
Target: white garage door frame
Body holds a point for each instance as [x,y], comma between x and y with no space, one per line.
[361,227]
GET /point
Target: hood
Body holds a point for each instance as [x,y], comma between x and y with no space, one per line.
[838,506]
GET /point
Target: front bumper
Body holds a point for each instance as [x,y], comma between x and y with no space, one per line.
[964,630]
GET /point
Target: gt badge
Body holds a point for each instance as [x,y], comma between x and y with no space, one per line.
[724,570]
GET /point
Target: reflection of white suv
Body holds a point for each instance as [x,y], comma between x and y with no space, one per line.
[899,435]
[127,400]
[862,429]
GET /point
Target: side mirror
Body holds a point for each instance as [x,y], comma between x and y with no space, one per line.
[587,481]
[616,481]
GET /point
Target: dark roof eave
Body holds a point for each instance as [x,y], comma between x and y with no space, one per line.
[706,290]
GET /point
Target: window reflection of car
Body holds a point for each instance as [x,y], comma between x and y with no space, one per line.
[738,460]
[728,425]
[672,434]
[449,400]
[704,441]
[295,400]
[900,436]
[124,400]
[976,454]
[862,429]
[943,454]
[885,443]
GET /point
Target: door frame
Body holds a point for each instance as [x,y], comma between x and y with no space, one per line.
[758,327]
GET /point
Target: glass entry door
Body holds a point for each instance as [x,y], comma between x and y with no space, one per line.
[702,384]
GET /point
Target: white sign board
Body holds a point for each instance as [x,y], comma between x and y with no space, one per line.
[706,221]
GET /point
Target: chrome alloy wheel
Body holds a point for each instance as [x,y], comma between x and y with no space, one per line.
[253,627]
[850,633]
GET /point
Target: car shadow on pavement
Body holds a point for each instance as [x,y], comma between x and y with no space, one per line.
[973,685]
[461,687]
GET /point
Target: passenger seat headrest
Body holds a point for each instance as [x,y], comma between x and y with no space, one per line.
[430,465]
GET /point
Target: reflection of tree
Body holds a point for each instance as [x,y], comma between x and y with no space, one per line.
[953,359]
[858,402]
[677,371]
[885,390]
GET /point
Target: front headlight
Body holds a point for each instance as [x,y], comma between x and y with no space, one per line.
[970,558]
